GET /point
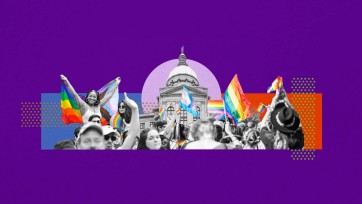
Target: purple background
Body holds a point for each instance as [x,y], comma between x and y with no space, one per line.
[93,42]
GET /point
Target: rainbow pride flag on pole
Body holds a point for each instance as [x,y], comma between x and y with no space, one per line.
[277,84]
[261,108]
[187,102]
[70,109]
[235,102]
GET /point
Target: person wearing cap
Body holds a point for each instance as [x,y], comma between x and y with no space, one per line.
[111,137]
[64,145]
[90,137]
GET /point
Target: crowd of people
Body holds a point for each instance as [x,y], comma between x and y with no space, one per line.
[280,128]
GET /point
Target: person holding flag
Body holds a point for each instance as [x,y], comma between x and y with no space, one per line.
[75,109]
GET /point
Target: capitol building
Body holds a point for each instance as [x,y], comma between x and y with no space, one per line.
[181,75]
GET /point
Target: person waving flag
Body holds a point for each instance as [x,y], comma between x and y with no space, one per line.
[187,102]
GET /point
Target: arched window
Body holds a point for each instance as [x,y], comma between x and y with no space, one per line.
[198,112]
[183,117]
[170,110]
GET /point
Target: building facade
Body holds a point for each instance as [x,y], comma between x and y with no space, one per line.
[181,76]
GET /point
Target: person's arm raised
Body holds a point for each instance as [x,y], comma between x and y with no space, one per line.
[134,124]
[108,96]
[171,122]
[77,98]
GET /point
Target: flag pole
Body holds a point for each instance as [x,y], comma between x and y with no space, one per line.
[226,118]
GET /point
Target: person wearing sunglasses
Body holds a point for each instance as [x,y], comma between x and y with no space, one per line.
[125,112]
[111,137]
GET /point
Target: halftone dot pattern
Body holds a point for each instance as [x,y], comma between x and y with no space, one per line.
[43,115]
[30,114]
[52,114]
[304,103]
[148,106]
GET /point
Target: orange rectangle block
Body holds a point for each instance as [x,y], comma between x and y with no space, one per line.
[309,108]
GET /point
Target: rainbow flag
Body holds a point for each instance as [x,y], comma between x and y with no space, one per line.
[180,144]
[277,84]
[162,113]
[261,108]
[235,102]
[70,109]
[215,108]
[117,121]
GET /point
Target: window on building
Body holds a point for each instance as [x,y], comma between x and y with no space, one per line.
[198,112]
[183,117]
[142,125]
[170,110]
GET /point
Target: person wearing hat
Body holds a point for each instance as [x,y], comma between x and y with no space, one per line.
[280,97]
[90,137]
[286,121]
[64,145]
[111,137]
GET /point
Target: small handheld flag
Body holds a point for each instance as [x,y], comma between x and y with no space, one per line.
[277,84]
[261,108]
[162,113]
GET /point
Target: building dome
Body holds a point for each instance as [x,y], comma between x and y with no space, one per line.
[182,69]
[182,73]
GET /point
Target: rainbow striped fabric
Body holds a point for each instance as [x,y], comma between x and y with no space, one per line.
[261,108]
[235,101]
[180,144]
[215,108]
[277,84]
[70,109]
[117,121]
[162,113]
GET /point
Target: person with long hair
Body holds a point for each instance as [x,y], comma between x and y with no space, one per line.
[150,139]
[125,112]
[134,125]
[92,103]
